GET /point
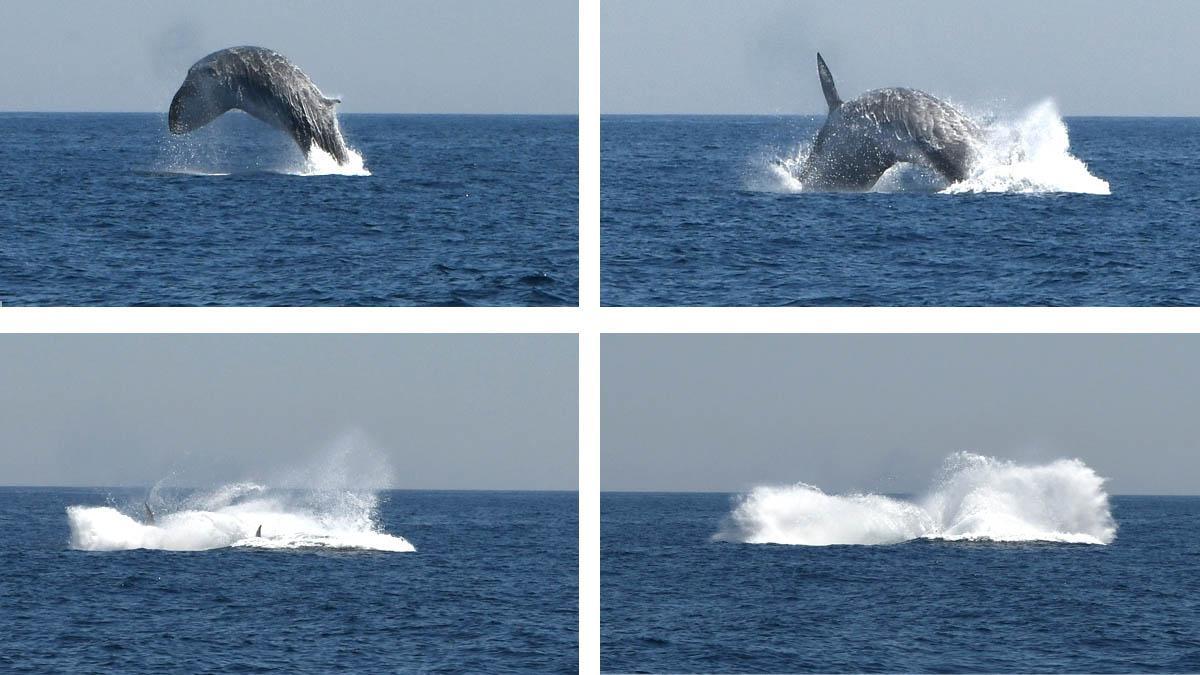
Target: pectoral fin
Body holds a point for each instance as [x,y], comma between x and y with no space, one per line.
[827,85]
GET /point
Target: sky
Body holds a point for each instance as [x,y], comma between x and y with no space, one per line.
[424,411]
[1093,57]
[880,413]
[398,56]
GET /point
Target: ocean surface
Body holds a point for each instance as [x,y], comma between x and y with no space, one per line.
[110,209]
[86,585]
[683,590]
[705,211]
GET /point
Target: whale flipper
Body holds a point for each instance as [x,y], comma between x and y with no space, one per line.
[258,532]
[827,85]
[149,513]
[267,86]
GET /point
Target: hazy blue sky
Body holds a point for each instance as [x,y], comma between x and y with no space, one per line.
[1097,57]
[445,56]
[446,411]
[880,413]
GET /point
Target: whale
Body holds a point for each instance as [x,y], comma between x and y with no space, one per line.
[864,137]
[267,86]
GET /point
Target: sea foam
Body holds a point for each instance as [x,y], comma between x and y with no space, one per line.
[974,498]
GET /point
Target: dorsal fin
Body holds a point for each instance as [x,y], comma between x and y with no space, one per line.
[827,85]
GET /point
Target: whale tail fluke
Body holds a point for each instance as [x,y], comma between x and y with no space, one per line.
[827,85]
[331,100]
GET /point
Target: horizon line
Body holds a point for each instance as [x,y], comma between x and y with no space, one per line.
[164,112]
[192,487]
[823,114]
[885,494]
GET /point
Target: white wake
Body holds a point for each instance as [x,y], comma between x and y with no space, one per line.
[232,515]
[974,498]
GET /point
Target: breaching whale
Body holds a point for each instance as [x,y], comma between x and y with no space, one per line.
[863,138]
[264,84]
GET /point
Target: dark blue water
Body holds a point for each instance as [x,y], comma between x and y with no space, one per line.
[675,601]
[491,588]
[688,218]
[458,210]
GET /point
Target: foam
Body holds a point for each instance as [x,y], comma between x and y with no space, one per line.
[974,498]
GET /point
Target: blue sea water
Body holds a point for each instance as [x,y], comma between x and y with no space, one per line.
[109,209]
[699,211]
[675,600]
[491,587]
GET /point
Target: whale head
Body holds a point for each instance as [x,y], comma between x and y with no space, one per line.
[197,102]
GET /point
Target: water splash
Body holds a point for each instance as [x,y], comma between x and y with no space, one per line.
[1031,154]
[232,515]
[329,502]
[1028,154]
[320,163]
[778,172]
[237,144]
[974,498]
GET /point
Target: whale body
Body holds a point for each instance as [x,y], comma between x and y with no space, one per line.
[264,84]
[864,137]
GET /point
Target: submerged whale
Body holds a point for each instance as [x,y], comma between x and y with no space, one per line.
[264,84]
[863,138]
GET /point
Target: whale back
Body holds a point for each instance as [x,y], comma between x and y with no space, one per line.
[264,84]
[864,137]
[918,127]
